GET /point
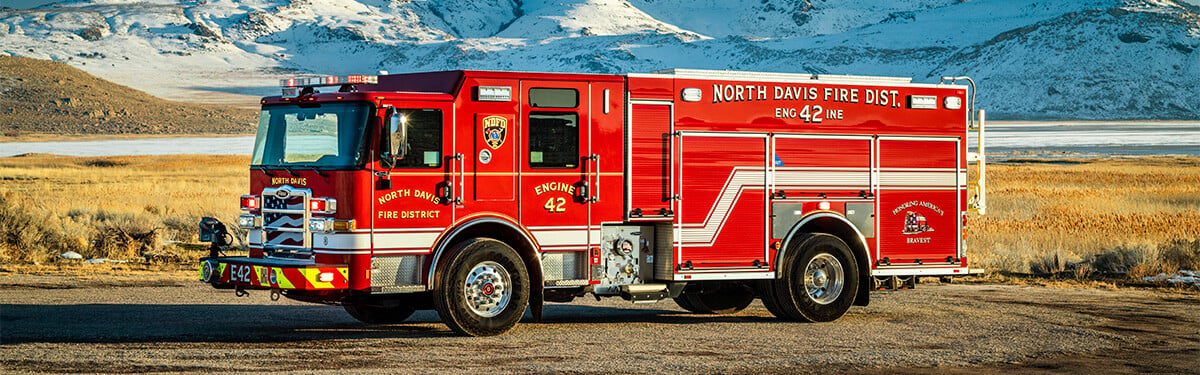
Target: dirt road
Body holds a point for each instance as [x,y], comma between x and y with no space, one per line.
[173,326]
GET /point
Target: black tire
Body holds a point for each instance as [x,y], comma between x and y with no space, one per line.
[766,292]
[493,268]
[374,314]
[686,304]
[722,298]
[829,260]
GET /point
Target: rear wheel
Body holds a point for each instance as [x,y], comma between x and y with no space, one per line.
[483,290]
[375,314]
[721,298]
[819,280]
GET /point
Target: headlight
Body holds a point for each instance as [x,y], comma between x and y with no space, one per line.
[247,221]
[320,224]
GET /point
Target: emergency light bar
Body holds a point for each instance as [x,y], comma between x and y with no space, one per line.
[293,86]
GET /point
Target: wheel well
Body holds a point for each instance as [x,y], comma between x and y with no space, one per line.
[498,230]
[843,229]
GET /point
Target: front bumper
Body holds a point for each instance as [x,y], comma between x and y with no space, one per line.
[254,273]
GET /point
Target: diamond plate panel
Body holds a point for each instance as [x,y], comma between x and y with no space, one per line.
[396,270]
[564,266]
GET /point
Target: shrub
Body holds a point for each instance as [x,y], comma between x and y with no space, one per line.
[30,234]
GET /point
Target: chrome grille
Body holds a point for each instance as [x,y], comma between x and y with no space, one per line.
[285,223]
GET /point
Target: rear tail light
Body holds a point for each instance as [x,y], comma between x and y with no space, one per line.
[249,203]
[323,205]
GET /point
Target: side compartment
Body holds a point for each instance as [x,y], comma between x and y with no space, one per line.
[722,215]
[921,186]
[649,145]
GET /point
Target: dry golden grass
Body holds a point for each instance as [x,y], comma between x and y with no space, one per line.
[161,185]
[116,207]
[1088,217]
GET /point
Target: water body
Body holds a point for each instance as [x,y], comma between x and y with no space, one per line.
[1090,138]
[146,146]
[1125,138]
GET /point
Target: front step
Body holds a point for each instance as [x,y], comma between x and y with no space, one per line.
[644,293]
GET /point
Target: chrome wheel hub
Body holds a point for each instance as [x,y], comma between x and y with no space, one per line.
[486,289]
[824,278]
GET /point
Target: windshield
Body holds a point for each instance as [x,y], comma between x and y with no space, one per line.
[316,135]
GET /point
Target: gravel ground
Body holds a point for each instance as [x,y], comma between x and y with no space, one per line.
[171,326]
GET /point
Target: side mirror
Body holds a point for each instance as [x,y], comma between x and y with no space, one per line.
[397,126]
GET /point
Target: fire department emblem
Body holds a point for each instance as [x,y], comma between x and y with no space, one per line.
[915,223]
[494,130]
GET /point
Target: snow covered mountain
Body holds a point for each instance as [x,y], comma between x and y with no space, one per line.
[1033,59]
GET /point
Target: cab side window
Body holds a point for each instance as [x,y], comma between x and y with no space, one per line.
[424,146]
[553,139]
[553,134]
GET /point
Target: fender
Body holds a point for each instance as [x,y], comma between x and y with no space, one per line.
[857,243]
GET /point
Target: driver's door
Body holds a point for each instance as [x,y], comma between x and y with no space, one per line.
[409,207]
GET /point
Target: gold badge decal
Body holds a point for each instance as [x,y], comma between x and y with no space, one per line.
[494,130]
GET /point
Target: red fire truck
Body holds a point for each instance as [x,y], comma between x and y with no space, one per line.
[481,193]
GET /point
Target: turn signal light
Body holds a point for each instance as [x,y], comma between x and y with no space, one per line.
[249,203]
[330,225]
[343,225]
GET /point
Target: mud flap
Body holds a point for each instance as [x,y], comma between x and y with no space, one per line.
[536,300]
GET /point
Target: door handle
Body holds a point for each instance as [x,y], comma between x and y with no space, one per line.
[595,158]
[458,159]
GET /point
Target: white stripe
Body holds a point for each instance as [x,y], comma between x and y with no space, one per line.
[919,178]
[392,252]
[346,241]
[342,252]
[562,227]
[784,178]
[940,270]
[560,237]
[405,240]
[723,275]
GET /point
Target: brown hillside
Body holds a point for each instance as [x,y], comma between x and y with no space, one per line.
[40,96]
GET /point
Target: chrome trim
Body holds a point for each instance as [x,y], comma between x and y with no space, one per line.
[286,192]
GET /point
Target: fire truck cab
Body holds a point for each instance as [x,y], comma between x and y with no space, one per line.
[481,193]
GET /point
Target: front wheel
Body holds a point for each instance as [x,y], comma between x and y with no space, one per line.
[818,283]
[483,289]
